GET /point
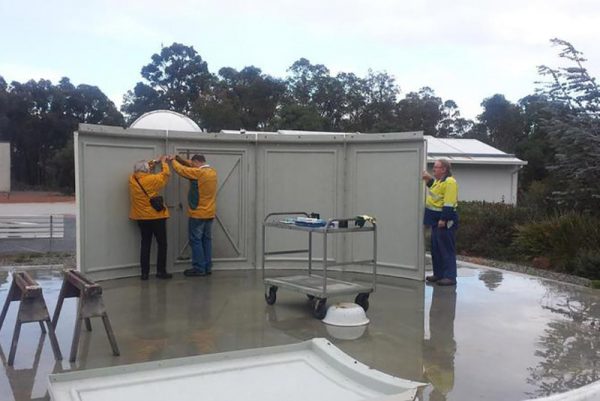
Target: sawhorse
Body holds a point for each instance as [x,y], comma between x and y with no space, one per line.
[32,308]
[90,304]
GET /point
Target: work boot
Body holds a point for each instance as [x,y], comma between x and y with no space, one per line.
[164,276]
[193,273]
[431,279]
[446,281]
[144,276]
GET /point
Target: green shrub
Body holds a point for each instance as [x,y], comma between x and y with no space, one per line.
[585,264]
[560,238]
[488,229]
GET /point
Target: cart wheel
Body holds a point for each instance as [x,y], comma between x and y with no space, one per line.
[320,308]
[271,297]
[310,297]
[362,299]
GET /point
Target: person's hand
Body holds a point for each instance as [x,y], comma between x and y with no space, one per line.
[163,158]
[426,176]
[441,224]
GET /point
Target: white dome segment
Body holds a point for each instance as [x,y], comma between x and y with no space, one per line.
[165,120]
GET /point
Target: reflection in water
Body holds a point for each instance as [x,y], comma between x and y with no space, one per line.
[491,278]
[570,345]
[439,350]
[23,381]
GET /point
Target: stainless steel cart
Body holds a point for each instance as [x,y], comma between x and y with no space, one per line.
[319,287]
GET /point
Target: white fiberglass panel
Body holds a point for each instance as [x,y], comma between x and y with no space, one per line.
[314,370]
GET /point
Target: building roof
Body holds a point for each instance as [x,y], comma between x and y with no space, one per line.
[467,151]
[456,150]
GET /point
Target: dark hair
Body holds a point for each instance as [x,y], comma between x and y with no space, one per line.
[199,158]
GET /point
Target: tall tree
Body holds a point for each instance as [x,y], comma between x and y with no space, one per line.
[355,102]
[573,125]
[536,148]
[313,98]
[504,122]
[40,119]
[424,111]
[173,80]
[246,99]
[381,94]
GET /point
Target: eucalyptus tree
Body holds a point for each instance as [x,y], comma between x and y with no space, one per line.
[173,80]
[245,99]
[504,121]
[424,111]
[39,118]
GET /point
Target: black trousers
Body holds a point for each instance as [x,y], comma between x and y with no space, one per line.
[158,229]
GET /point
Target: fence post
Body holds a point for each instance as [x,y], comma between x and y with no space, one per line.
[51,231]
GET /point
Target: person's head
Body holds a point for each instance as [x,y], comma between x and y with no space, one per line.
[141,167]
[198,160]
[442,169]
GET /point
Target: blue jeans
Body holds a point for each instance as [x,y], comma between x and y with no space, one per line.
[443,251]
[200,233]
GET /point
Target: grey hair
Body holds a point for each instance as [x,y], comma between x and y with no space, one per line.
[141,167]
[446,163]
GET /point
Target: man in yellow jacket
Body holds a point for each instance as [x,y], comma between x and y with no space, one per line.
[441,216]
[202,207]
[144,185]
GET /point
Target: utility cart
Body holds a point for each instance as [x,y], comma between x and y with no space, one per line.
[319,287]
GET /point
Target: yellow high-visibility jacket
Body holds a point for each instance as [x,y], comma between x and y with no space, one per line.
[140,203]
[202,195]
[442,200]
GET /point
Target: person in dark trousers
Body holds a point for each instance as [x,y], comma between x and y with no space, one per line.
[441,216]
[144,185]
[202,208]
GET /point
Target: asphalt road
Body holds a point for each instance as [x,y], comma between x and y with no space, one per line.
[40,245]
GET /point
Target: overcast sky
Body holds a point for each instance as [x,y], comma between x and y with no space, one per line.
[464,50]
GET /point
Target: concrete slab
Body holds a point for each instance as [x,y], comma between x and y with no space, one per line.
[497,336]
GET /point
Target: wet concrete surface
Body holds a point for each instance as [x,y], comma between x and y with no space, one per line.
[497,336]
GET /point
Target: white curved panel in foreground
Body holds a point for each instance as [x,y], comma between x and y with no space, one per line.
[310,370]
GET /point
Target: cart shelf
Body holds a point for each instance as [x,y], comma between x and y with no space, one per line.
[319,287]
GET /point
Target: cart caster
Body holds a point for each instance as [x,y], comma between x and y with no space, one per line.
[320,308]
[271,297]
[362,299]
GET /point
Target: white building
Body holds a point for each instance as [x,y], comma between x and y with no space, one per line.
[483,172]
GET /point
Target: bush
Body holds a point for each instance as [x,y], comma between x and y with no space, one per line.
[585,264]
[488,229]
[561,238]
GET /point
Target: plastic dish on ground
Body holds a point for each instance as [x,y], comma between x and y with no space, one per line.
[346,333]
[346,314]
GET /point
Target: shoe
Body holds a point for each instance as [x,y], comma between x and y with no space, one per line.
[208,273]
[446,281]
[432,279]
[144,276]
[193,273]
[164,276]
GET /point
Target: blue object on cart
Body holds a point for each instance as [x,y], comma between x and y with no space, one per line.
[310,222]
